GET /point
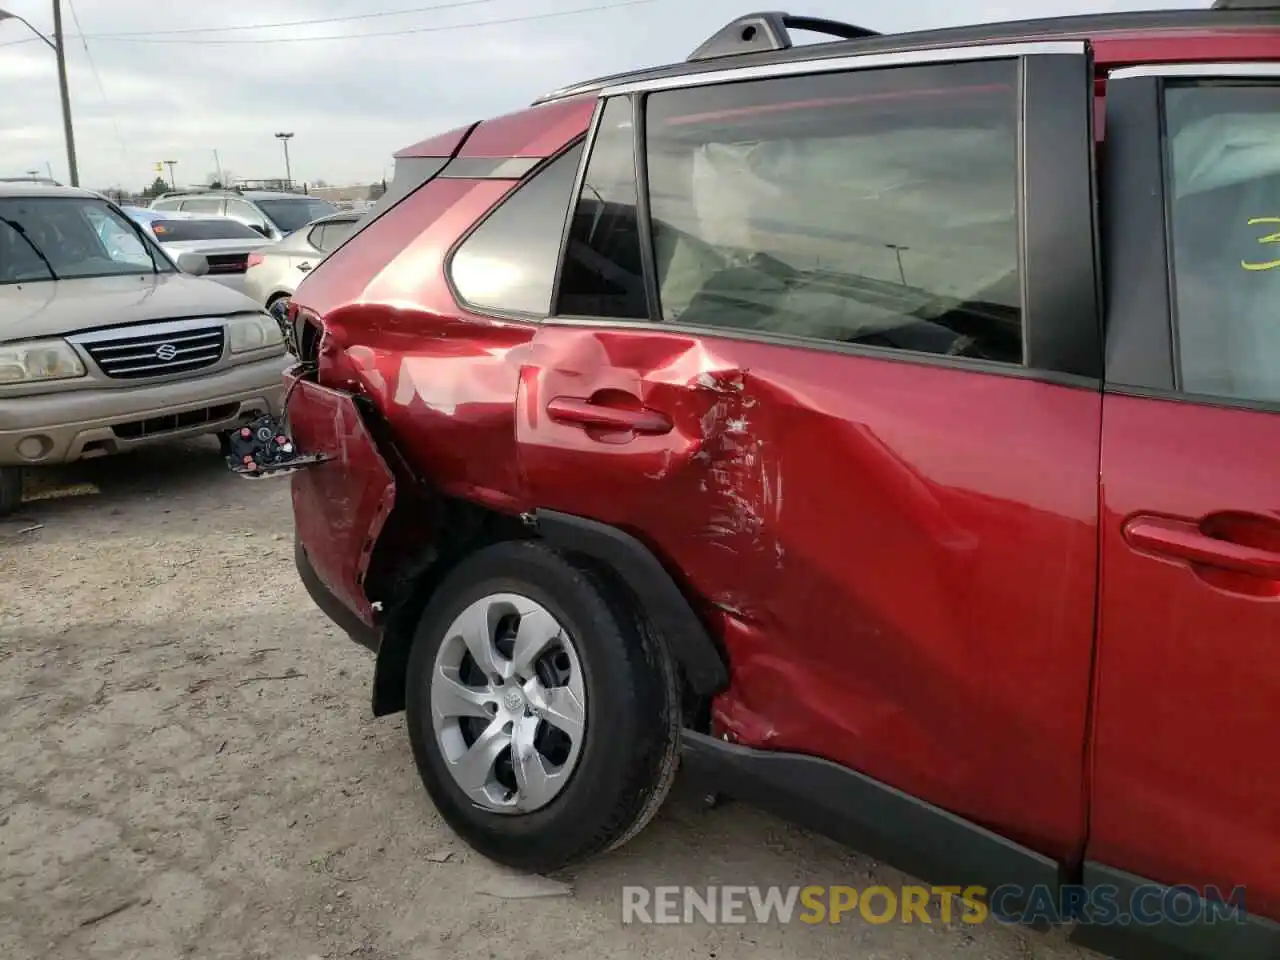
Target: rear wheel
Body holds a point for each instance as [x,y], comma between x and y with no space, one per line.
[10,489]
[543,714]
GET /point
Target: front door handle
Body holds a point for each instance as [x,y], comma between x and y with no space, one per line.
[587,414]
[1182,540]
[304,267]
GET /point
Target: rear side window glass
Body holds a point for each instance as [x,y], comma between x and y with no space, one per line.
[602,274]
[333,233]
[1224,201]
[508,263]
[876,208]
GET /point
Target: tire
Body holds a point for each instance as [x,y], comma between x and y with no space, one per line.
[10,489]
[629,745]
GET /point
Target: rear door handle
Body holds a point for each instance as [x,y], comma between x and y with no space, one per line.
[588,414]
[1184,541]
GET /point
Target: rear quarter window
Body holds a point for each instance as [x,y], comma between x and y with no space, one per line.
[508,263]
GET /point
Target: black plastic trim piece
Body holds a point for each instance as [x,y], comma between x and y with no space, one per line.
[330,605]
[580,178]
[1248,937]
[1063,321]
[1198,399]
[1087,27]
[667,608]
[489,168]
[644,226]
[1139,299]
[919,838]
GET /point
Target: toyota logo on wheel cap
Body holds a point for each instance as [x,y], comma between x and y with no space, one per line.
[166,351]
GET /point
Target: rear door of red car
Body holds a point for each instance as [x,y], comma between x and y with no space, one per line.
[826,339]
[1186,785]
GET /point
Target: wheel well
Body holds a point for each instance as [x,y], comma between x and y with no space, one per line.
[462,528]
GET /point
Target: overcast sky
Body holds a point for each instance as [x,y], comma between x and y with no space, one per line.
[350,102]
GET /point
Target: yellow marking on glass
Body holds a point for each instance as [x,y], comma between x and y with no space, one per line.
[1269,238]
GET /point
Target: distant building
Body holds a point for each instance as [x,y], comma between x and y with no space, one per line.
[356,193]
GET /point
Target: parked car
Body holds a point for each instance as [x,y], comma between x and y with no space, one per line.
[106,345]
[275,271]
[886,427]
[273,214]
[217,247]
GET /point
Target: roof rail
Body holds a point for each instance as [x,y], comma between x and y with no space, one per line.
[757,32]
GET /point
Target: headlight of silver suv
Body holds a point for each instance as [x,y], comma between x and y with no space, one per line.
[39,360]
[253,332]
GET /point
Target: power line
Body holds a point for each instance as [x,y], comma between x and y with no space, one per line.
[97,78]
[389,33]
[291,23]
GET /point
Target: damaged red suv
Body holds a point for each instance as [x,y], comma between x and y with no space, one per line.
[885,429]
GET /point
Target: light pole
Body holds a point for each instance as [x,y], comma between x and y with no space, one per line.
[284,139]
[57,46]
[898,252]
[171,164]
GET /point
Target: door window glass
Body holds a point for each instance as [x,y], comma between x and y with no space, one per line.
[1224,201]
[875,208]
[602,273]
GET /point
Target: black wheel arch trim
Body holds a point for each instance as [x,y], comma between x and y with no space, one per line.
[666,606]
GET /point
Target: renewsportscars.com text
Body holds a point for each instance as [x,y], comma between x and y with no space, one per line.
[816,904]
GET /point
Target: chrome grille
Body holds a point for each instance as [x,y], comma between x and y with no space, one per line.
[155,350]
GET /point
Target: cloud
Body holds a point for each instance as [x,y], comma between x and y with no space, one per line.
[350,103]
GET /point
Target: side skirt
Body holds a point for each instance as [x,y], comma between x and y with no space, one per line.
[923,840]
[1210,932]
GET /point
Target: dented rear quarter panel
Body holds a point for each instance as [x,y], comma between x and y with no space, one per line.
[443,380]
[874,541]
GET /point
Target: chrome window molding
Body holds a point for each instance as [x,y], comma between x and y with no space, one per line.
[867,61]
[1267,68]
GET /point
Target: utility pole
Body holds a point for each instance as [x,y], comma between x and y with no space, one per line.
[217,165]
[284,139]
[60,51]
[171,164]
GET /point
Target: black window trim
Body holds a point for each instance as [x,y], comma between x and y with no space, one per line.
[1058,352]
[1141,342]
[516,186]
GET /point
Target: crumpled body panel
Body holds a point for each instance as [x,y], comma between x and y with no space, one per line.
[342,504]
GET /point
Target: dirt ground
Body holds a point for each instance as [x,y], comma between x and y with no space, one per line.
[189,768]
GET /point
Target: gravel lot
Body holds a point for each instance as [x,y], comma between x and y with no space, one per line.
[189,768]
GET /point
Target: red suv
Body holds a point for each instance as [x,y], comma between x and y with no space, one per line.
[887,429]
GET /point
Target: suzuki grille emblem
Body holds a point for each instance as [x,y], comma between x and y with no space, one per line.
[166,351]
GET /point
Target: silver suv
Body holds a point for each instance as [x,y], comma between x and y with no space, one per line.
[105,344]
[274,215]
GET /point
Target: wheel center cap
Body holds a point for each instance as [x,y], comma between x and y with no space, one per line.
[513,699]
